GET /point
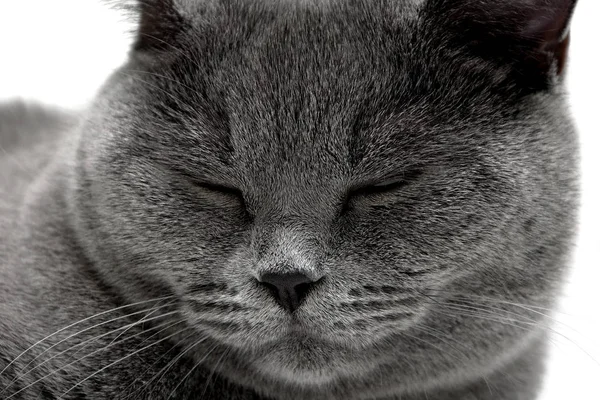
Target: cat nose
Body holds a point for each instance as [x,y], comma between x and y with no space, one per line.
[289,289]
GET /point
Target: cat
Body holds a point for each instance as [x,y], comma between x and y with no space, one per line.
[293,200]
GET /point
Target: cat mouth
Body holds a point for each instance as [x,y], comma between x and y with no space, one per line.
[300,337]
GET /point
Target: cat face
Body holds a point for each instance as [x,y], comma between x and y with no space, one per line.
[316,183]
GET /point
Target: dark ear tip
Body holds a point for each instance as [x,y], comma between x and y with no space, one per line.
[551,22]
[530,38]
[159,25]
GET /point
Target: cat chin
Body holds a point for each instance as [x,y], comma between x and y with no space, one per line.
[304,376]
[306,362]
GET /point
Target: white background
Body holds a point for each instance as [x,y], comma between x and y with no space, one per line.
[60,51]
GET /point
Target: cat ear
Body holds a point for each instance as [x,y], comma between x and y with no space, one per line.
[160,24]
[531,36]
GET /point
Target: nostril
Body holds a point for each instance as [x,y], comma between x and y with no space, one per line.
[302,289]
[289,289]
[271,288]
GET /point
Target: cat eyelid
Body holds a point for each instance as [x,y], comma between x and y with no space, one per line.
[212,186]
[386,186]
[215,187]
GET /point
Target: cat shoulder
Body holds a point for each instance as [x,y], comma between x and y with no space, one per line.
[23,122]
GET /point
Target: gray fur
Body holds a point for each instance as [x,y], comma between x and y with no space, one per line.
[298,106]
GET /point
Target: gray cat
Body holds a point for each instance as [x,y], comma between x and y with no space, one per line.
[326,199]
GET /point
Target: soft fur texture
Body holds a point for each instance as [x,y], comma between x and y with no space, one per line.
[416,157]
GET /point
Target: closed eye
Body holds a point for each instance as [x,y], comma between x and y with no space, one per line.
[389,186]
[378,188]
[226,190]
[214,188]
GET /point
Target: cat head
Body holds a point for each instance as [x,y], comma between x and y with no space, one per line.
[315,181]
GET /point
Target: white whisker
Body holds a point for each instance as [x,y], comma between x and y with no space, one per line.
[78,322]
[192,370]
[161,357]
[78,333]
[212,373]
[530,327]
[118,361]
[74,362]
[166,368]
[144,319]
[22,375]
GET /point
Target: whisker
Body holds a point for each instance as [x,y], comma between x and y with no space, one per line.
[76,361]
[174,361]
[118,361]
[213,371]
[160,358]
[144,319]
[487,315]
[444,339]
[444,351]
[528,308]
[22,375]
[478,307]
[78,322]
[164,370]
[428,330]
[535,310]
[467,295]
[76,334]
[192,370]
[157,333]
[472,309]
[530,329]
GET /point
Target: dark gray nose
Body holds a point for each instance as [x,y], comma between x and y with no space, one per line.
[289,289]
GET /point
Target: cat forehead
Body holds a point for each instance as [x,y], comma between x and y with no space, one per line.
[350,82]
[192,8]
[282,58]
[279,72]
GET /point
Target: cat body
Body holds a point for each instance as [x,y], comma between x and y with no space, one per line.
[413,162]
